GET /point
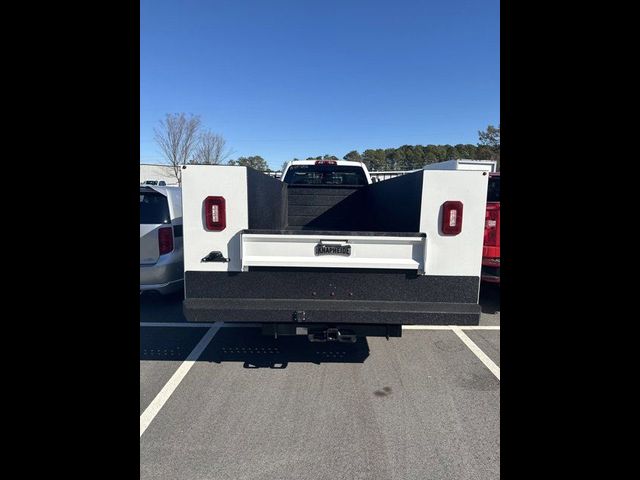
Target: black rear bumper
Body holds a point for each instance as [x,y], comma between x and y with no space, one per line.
[251,310]
[331,296]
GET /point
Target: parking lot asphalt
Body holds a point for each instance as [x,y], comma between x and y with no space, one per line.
[422,406]
[162,351]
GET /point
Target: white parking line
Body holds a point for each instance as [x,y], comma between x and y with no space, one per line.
[154,407]
[450,327]
[426,327]
[404,327]
[475,349]
[479,327]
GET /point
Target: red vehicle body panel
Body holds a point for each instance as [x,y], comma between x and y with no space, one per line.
[491,248]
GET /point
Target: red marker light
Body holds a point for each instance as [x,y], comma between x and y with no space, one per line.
[451,217]
[215,214]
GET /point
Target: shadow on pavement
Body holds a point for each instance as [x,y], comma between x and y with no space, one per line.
[255,350]
[489,298]
[161,308]
[248,346]
[168,343]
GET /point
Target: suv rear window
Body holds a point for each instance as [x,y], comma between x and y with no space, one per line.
[325,175]
[154,208]
[493,193]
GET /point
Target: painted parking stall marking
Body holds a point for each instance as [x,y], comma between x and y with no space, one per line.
[241,325]
[479,353]
[214,327]
[158,402]
[451,327]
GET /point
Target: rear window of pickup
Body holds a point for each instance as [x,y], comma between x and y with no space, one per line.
[325,175]
[154,208]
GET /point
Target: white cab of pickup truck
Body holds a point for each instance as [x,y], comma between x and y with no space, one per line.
[340,164]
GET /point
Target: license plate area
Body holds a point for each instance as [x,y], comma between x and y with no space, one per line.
[332,249]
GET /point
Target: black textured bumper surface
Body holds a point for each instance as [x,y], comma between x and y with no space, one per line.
[331,296]
[330,311]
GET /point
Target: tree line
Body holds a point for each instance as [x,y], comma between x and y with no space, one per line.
[183,140]
[411,157]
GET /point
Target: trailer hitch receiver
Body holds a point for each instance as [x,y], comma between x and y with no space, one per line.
[331,335]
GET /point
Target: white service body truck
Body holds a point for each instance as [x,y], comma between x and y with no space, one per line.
[463,164]
[327,254]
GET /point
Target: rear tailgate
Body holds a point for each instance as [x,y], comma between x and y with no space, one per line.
[263,248]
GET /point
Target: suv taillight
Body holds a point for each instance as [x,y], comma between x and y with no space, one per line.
[165,240]
[451,217]
[215,214]
[326,162]
[492,226]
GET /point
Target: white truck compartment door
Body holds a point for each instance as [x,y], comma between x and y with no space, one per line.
[198,183]
[454,255]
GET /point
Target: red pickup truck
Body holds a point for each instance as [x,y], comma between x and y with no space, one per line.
[491,248]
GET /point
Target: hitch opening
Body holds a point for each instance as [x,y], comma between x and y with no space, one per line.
[332,335]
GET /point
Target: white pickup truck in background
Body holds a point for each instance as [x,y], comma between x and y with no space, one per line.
[327,254]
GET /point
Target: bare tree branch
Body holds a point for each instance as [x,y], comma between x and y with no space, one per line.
[210,149]
[177,137]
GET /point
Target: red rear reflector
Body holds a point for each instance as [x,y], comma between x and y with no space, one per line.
[215,214]
[326,162]
[451,218]
[165,240]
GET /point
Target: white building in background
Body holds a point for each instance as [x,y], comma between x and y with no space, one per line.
[158,172]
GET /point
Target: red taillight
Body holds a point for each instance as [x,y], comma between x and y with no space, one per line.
[492,226]
[165,240]
[326,162]
[215,213]
[451,218]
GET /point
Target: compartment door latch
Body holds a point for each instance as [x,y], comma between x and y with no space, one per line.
[215,257]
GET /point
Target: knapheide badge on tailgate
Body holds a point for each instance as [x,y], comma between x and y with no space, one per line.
[333,249]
